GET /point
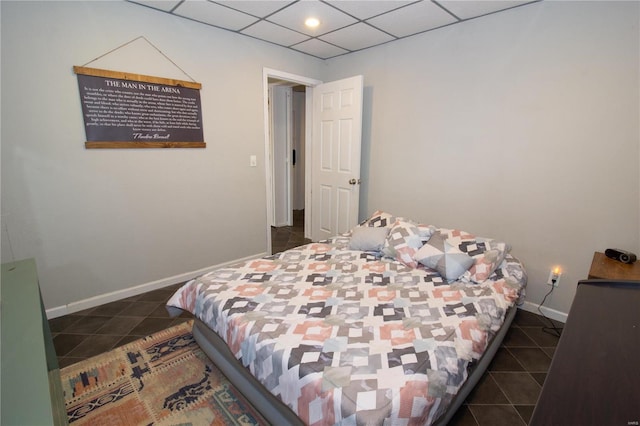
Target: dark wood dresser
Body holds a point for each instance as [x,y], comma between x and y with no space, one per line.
[594,378]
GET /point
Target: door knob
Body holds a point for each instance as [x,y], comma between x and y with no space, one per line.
[352,181]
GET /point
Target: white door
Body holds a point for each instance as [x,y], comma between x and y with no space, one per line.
[335,164]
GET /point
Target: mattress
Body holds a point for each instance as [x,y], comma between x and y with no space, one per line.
[346,336]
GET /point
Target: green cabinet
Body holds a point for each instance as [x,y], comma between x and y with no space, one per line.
[31,391]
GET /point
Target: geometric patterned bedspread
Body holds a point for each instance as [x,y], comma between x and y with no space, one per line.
[347,337]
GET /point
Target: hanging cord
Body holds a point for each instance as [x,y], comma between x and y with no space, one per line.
[150,44]
[554,330]
[6,230]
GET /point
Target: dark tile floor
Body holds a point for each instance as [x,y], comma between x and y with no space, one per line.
[506,394]
[508,391]
[285,237]
[84,334]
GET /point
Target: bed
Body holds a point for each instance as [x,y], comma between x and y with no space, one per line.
[392,323]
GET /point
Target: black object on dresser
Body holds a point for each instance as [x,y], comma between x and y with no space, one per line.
[594,378]
[621,255]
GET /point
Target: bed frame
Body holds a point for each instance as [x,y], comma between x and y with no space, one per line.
[277,413]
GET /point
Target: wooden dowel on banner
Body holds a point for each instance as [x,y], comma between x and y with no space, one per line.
[135,77]
[136,144]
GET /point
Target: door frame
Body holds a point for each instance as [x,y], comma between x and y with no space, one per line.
[275,147]
[286,77]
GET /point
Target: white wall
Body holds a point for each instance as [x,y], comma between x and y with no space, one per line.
[100,221]
[522,126]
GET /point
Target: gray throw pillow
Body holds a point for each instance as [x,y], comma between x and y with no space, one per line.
[448,260]
[367,238]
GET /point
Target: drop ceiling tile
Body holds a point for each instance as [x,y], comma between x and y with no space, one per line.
[356,37]
[274,33]
[466,9]
[412,19]
[400,18]
[367,9]
[165,5]
[294,16]
[319,48]
[259,8]
[214,14]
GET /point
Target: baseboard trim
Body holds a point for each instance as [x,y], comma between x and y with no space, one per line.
[548,312]
[92,302]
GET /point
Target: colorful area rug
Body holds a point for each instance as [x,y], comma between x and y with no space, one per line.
[163,379]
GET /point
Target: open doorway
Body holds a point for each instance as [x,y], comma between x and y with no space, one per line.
[292,202]
[287,102]
[332,142]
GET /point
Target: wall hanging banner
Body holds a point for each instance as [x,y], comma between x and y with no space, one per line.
[123,110]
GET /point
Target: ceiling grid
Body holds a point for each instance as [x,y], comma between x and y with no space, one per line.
[346,26]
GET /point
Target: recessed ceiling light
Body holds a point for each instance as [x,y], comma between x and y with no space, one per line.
[312,22]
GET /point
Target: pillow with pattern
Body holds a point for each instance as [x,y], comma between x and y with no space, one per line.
[487,253]
[380,219]
[384,219]
[444,257]
[403,241]
[426,231]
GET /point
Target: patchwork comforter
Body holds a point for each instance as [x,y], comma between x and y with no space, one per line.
[349,337]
